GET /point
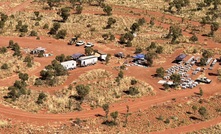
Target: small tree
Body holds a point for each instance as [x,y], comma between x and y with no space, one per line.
[207,54]
[138,50]
[194,107]
[201,92]
[114,115]
[23,76]
[55,28]
[10,44]
[126,116]
[160,72]
[152,46]
[33,33]
[3,50]
[61,34]
[36,14]
[45,26]
[24,28]
[82,91]
[4,66]
[214,27]
[108,58]
[108,10]
[89,51]
[79,9]
[133,91]
[194,38]
[166,86]
[133,82]
[121,74]
[105,36]
[141,21]
[134,27]
[174,32]
[41,98]
[202,111]
[176,79]
[106,109]
[167,121]
[159,49]
[60,58]
[202,61]
[110,22]
[152,21]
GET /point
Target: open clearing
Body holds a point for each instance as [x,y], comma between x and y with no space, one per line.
[150,105]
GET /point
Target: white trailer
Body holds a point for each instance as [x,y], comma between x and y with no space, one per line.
[87,60]
[69,65]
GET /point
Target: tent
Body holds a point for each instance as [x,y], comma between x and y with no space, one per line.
[180,57]
[77,55]
[139,56]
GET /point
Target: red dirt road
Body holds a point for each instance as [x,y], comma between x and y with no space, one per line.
[190,128]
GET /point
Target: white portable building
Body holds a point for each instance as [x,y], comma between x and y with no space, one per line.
[71,64]
[87,60]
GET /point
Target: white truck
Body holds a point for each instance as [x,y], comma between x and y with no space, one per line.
[87,60]
[69,65]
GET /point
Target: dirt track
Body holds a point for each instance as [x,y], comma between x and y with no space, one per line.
[141,103]
[19,7]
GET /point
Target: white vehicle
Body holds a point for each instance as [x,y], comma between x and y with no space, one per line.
[204,80]
[89,44]
[87,60]
[80,43]
[69,65]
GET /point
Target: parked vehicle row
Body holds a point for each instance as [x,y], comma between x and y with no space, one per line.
[81,43]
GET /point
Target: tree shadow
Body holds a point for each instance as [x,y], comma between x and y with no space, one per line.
[126,92]
[188,112]
[59,21]
[98,115]
[109,123]
[76,97]
[101,14]
[154,75]
[198,94]
[195,118]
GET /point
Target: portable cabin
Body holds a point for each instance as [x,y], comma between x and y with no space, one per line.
[69,65]
[87,60]
[101,55]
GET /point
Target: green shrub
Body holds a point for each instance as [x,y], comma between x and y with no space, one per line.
[33,33]
[133,82]
[133,91]
[45,26]
[37,23]
[4,66]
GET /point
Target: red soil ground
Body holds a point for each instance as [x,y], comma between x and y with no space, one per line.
[58,47]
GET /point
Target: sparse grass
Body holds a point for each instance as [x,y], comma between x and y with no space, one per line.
[104,89]
[15,65]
